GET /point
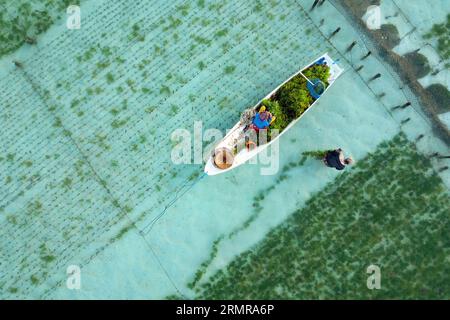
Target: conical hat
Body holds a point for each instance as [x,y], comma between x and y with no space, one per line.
[223,158]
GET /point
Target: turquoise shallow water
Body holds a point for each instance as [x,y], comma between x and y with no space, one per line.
[86,128]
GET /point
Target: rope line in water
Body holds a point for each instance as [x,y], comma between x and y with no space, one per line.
[178,195]
[152,223]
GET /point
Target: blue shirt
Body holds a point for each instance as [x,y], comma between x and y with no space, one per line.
[261,124]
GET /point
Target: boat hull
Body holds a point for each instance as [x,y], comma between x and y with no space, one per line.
[245,155]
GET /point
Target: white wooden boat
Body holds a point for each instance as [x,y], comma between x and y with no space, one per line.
[224,149]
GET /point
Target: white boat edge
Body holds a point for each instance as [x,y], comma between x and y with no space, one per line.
[244,155]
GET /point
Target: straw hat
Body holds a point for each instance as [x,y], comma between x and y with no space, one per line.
[223,158]
[263,115]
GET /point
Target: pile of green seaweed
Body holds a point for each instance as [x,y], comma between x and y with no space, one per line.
[293,98]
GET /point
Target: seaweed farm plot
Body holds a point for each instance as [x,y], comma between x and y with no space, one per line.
[86,119]
[140,91]
[21,21]
[391,210]
[92,158]
[52,202]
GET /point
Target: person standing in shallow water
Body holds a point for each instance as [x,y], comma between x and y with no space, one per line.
[335,159]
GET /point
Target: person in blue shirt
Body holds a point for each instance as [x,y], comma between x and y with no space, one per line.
[262,119]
